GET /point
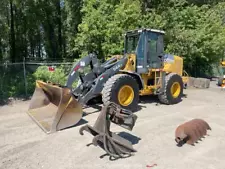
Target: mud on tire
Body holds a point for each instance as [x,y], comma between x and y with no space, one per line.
[113,85]
[166,97]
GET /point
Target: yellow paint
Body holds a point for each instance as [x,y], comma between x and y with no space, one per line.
[175,67]
[43,85]
[149,89]
[175,89]
[118,57]
[131,63]
[223,83]
[126,95]
[223,63]
[223,66]
[146,90]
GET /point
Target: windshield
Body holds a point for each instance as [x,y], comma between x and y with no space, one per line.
[131,43]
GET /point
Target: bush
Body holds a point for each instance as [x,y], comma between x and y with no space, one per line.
[59,76]
[12,82]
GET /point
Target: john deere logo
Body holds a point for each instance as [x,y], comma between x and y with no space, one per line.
[117,67]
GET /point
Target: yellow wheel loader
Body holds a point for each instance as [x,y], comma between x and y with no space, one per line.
[143,69]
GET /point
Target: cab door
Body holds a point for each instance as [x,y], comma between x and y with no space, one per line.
[154,50]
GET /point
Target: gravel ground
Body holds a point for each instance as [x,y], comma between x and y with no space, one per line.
[23,145]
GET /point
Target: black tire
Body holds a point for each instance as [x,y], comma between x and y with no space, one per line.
[166,97]
[111,90]
[220,81]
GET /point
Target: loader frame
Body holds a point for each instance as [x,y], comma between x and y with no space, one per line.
[141,61]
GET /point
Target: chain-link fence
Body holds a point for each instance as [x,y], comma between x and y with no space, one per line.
[17,80]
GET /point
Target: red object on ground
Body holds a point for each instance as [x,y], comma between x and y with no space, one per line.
[150,166]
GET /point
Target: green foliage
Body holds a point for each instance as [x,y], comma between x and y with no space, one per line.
[65,28]
[57,29]
[103,25]
[58,76]
[194,30]
[12,83]
[73,18]
[198,35]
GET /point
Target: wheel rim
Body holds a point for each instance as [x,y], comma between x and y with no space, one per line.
[126,95]
[175,89]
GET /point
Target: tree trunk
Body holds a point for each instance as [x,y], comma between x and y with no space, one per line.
[12,34]
[64,44]
[58,7]
[1,50]
[39,44]
[25,36]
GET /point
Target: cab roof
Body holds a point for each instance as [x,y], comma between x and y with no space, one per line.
[145,29]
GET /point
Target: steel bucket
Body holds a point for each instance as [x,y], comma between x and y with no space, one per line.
[53,108]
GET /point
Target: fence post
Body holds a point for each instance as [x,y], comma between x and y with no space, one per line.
[24,74]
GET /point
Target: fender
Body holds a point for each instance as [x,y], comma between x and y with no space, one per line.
[136,76]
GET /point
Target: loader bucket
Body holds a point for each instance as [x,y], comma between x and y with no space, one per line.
[53,108]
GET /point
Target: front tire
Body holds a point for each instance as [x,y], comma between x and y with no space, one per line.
[173,90]
[121,89]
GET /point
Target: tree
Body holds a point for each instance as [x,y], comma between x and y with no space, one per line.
[103,25]
[73,17]
[4,30]
[57,29]
[12,33]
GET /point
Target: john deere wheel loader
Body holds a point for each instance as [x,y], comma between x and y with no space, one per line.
[144,69]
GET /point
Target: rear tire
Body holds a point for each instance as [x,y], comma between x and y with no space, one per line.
[173,90]
[115,87]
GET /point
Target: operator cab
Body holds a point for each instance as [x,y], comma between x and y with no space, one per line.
[148,46]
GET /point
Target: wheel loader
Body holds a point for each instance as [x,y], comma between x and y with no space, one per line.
[143,69]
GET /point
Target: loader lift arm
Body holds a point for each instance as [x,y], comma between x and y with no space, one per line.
[92,82]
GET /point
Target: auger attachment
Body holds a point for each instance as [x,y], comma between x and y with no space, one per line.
[114,145]
[190,132]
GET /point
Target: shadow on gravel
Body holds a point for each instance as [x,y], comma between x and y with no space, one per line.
[80,123]
[132,138]
[129,137]
[152,99]
[10,101]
